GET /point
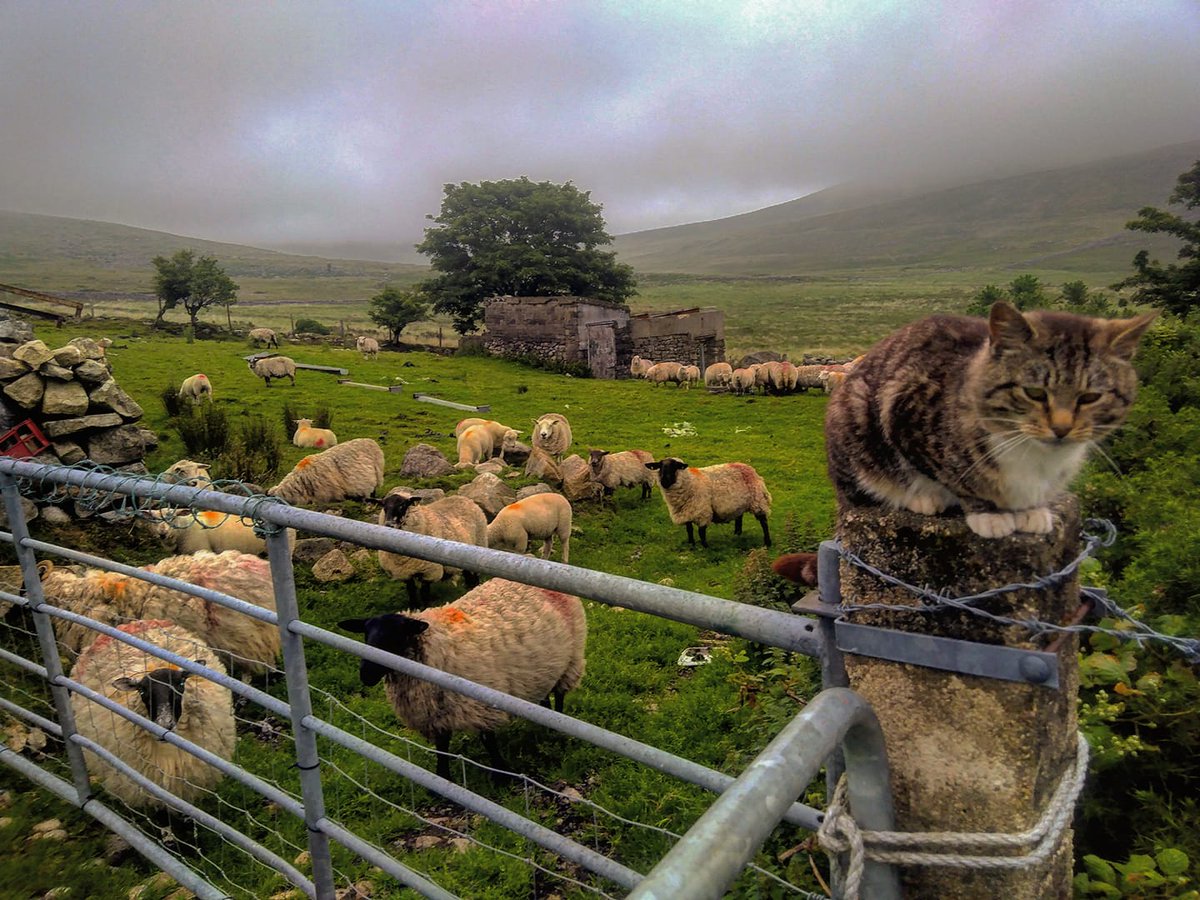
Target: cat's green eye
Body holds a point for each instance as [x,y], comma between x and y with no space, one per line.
[1036,394]
[1089,397]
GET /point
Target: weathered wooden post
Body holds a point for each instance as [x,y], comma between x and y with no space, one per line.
[968,752]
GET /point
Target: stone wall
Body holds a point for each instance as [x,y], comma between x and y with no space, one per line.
[550,327]
[692,337]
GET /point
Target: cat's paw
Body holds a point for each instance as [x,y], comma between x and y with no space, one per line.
[1038,520]
[925,504]
[992,524]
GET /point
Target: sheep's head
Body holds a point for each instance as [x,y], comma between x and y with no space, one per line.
[392,632]
[596,460]
[395,508]
[187,471]
[303,423]
[161,691]
[668,470]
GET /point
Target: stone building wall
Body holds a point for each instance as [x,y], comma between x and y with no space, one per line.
[692,337]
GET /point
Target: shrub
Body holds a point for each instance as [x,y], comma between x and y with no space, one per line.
[322,417]
[204,430]
[172,402]
[255,452]
[311,326]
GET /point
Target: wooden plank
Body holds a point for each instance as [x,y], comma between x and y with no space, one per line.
[425,398]
[392,389]
[39,313]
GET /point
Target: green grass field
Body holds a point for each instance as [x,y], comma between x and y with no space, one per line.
[633,686]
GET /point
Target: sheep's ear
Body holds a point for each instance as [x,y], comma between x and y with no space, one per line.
[358,626]
[124,683]
[654,465]
[44,568]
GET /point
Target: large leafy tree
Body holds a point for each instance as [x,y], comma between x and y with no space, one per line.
[195,283]
[521,238]
[393,309]
[1173,287]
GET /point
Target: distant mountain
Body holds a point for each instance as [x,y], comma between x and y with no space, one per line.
[1069,218]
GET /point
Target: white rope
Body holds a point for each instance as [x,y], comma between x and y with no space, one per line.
[839,834]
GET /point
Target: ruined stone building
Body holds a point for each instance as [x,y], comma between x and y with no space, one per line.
[600,333]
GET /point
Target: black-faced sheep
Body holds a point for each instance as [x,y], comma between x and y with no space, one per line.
[196,388]
[195,708]
[246,644]
[353,470]
[264,336]
[720,493]
[624,469]
[538,518]
[451,518]
[307,436]
[525,641]
[552,433]
[274,367]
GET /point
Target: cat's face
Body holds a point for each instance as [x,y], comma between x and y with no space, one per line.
[1056,377]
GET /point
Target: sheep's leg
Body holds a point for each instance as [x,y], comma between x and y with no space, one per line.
[547,547]
[737,525]
[496,760]
[691,537]
[441,743]
[645,490]
[293,378]
[426,588]
[564,543]
[703,535]
[560,699]
[267,379]
[470,579]
[762,520]
[413,598]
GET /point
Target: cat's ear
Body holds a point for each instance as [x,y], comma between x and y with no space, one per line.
[1124,334]
[1008,328]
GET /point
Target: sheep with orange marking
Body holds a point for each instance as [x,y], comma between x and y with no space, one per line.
[451,518]
[353,470]
[475,445]
[720,493]
[191,706]
[537,518]
[525,641]
[307,436]
[244,643]
[183,531]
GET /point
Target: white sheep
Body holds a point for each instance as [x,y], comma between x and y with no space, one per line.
[833,379]
[196,387]
[552,433]
[264,336]
[193,707]
[496,429]
[307,436]
[720,493]
[451,518]
[187,471]
[269,367]
[688,376]
[247,644]
[663,372]
[810,377]
[367,346]
[743,380]
[183,531]
[718,376]
[767,377]
[624,469]
[788,377]
[525,641]
[539,517]
[639,366]
[353,470]
[474,445]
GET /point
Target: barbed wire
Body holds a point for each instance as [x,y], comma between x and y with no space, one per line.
[1097,533]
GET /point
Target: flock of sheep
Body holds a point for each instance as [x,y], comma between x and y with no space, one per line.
[523,640]
[776,376]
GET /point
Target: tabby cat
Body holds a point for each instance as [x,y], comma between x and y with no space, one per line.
[994,416]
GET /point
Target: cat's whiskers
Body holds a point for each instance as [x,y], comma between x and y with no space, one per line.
[995,450]
[1093,445]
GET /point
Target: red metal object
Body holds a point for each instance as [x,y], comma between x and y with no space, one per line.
[23,440]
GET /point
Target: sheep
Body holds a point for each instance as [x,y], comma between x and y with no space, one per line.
[767,376]
[743,380]
[451,518]
[192,706]
[539,517]
[265,336]
[196,388]
[719,375]
[189,472]
[475,445]
[832,379]
[350,470]
[367,346]
[788,377]
[639,366]
[719,493]
[496,429]
[552,433]
[661,373]
[523,640]
[185,532]
[810,377]
[269,367]
[307,436]
[246,644]
[688,376]
[624,469]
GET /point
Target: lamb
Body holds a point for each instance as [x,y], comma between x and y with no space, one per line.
[265,336]
[743,380]
[475,445]
[688,376]
[350,470]
[189,472]
[719,375]
[367,346]
[451,518]
[624,469]
[269,367]
[661,373]
[184,532]
[552,433]
[638,366]
[196,388]
[522,640]
[307,436]
[539,517]
[496,429]
[249,645]
[192,706]
[719,493]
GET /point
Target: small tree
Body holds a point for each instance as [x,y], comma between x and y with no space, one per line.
[521,238]
[1026,292]
[394,309]
[982,302]
[1175,288]
[196,283]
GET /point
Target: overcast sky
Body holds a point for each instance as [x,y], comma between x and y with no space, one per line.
[266,122]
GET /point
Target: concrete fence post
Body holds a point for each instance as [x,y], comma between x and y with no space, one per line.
[968,753]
